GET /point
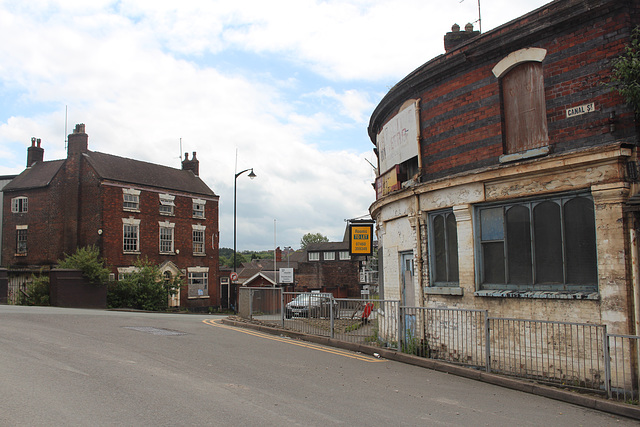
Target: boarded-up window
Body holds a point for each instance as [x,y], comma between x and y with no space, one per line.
[525,115]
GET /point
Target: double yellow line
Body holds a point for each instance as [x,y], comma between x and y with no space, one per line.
[345,353]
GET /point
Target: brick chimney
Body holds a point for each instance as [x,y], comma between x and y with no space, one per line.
[457,37]
[34,153]
[278,254]
[192,165]
[78,141]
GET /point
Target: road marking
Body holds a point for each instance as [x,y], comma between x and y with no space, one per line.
[346,353]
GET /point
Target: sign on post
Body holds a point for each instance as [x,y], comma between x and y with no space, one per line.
[286,275]
[361,239]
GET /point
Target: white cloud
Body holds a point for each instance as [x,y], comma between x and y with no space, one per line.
[144,74]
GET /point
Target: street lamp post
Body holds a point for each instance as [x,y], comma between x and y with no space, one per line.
[235,182]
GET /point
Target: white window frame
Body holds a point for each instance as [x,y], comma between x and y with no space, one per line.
[198,208]
[21,240]
[123,272]
[166,240]
[195,274]
[130,200]
[344,255]
[329,256]
[198,243]
[19,204]
[167,204]
[130,225]
[314,256]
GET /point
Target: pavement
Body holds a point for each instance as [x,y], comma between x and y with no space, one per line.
[568,396]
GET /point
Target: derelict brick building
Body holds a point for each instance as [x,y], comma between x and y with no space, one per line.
[508,172]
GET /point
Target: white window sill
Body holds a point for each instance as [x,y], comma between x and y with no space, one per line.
[577,295]
[131,252]
[131,210]
[198,254]
[444,290]
[199,297]
[167,253]
[535,152]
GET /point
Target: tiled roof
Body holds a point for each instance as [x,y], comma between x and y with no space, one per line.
[36,176]
[119,169]
[328,246]
[131,171]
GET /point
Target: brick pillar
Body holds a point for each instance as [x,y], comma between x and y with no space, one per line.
[466,257]
[614,280]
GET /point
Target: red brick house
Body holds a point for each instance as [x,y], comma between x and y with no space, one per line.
[125,207]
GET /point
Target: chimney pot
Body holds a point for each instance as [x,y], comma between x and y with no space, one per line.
[78,141]
[468,27]
[35,153]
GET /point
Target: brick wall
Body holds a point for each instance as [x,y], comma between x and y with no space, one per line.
[338,277]
[460,102]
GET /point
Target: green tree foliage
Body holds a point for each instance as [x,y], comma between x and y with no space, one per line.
[144,289]
[37,292]
[312,238]
[89,261]
[625,77]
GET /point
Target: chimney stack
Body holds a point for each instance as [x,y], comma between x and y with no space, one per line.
[34,153]
[78,141]
[192,165]
[457,37]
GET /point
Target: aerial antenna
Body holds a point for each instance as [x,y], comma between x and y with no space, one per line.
[65,127]
[375,169]
[479,21]
[180,156]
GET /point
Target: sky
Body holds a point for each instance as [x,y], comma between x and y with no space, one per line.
[285,87]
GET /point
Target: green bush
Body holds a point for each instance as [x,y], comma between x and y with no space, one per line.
[144,289]
[89,261]
[37,292]
[625,77]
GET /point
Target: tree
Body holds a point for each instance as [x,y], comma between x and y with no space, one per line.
[312,238]
[89,261]
[625,77]
[143,289]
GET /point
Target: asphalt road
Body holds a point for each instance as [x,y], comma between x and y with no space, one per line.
[89,367]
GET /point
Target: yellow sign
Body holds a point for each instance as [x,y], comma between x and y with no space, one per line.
[361,239]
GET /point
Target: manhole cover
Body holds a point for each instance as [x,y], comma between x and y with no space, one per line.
[154,331]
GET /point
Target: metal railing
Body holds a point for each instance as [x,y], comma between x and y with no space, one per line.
[563,353]
[624,356]
[577,355]
[452,335]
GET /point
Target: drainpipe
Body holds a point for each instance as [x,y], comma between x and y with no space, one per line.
[419,262]
[633,239]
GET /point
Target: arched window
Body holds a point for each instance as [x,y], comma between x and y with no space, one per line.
[546,245]
[444,249]
[524,112]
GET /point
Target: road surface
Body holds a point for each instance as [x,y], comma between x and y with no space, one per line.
[103,368]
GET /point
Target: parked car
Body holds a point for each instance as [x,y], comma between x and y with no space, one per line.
[314,305]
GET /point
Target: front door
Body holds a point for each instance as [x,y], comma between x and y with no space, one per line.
[408,288]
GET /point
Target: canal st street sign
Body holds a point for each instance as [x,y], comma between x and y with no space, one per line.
[581,109]
[361,239]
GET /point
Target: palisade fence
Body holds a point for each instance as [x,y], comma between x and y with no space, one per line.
[575,355]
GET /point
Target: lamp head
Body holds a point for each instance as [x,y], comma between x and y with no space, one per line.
[251,174]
